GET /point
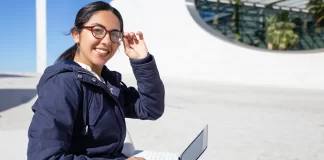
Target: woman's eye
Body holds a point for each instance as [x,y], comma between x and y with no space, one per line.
[98,30]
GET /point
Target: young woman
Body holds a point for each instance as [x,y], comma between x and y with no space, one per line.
[81,107]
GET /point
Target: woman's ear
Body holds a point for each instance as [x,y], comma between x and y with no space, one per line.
[75,35]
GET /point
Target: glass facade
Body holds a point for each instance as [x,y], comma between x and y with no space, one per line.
[267,25]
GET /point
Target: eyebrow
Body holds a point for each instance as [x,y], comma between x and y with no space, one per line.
[98,24]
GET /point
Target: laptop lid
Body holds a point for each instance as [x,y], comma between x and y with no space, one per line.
[197,146]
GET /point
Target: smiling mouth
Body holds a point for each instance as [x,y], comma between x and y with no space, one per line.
[101,52]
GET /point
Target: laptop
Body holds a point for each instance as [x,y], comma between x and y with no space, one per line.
[196,148]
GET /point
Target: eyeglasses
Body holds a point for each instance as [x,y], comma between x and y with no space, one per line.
[100,32]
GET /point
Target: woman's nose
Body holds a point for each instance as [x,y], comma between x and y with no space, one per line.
[106,40]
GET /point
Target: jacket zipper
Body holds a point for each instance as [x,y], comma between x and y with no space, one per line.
[119,107]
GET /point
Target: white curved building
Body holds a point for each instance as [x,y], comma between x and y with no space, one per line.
[185,50]
[258,123]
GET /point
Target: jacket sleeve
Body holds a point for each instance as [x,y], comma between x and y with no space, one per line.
[146,103]
[51,127]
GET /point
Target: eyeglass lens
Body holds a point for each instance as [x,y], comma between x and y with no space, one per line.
[99,32]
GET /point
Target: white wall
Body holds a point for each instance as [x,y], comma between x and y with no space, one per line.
[184,50]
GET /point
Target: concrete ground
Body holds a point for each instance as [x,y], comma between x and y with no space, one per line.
[245,122]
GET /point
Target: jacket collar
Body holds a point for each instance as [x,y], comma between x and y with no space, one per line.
[112,77]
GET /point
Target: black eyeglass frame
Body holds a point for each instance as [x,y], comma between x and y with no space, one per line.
[90,28]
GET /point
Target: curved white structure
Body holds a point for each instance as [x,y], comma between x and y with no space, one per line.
[183,49]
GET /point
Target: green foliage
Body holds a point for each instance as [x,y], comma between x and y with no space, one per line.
[280,32]
[238,37]
[236,15]
[316,9]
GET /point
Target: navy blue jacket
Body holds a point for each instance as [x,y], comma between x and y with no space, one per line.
[77,117]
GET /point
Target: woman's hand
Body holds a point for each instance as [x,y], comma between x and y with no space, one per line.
[135,158]
[135,47]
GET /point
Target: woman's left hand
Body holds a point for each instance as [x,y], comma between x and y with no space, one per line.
[135,47]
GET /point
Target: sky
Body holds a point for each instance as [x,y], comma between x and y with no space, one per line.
[18,32]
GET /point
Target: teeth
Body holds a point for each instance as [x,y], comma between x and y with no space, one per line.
[101,51]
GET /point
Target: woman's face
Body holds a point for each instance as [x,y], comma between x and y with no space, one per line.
[97,51]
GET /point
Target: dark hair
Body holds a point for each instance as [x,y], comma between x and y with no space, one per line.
[83,16]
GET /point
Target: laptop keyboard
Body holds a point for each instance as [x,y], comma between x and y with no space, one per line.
[158,155]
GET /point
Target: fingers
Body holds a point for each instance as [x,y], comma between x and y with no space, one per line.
[132,36]
[125,41]
[128,40]
[135,158]
[140,35]
[129,35]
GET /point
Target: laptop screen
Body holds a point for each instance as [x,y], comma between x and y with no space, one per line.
[197,147]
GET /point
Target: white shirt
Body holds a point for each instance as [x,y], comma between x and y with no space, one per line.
[86,67]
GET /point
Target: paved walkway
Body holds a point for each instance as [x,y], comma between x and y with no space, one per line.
[245,122]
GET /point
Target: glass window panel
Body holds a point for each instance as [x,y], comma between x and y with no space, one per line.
[275,25]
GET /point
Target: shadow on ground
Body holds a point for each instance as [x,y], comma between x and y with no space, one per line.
[11,76]
[10,98]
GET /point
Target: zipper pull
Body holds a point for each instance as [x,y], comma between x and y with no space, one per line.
[86,129]
[111,90]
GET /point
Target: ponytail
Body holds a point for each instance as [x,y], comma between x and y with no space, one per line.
[68,54]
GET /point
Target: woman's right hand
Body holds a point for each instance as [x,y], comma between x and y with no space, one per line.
[135,158]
